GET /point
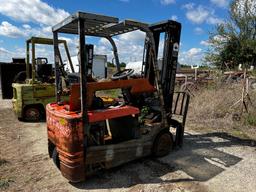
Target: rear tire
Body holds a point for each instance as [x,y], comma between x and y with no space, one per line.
[55,157]
[163,144]
[32,114]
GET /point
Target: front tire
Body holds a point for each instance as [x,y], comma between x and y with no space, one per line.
[163,144]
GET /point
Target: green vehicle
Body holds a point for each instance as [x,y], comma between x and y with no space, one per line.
[32,93]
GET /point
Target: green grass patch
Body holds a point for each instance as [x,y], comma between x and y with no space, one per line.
[5,183]
[250,119]
[240,134]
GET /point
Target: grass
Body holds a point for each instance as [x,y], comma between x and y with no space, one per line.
[250,119]
[239,134]
[253,73]
[210,110]
[5,183]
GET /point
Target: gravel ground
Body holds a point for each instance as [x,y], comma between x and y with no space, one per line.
[207,162]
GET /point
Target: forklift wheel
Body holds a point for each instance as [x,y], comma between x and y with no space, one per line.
[32,114]
[55,157]
[163,144]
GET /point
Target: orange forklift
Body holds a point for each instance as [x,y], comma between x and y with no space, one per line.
[86,134]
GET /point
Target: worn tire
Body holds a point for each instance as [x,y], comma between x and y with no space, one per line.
[55,157]
[32,114]
[163,144]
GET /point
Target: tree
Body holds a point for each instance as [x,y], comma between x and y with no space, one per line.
[233,42]
[122,64]
[109,64]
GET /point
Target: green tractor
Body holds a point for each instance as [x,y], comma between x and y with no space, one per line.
[35,87]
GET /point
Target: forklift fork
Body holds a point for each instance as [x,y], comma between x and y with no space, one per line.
[179,109]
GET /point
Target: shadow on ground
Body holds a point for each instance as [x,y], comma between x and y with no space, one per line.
[200,159]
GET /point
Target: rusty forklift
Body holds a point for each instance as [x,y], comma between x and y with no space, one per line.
[84,134]
[35,87]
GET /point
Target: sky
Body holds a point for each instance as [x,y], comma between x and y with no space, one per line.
[21,19]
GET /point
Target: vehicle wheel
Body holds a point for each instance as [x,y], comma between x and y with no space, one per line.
[163,144]
[32,114]
[20,119]
[55,157]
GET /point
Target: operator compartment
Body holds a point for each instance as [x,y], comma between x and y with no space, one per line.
[111,120]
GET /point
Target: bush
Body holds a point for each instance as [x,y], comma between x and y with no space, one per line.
[109,64]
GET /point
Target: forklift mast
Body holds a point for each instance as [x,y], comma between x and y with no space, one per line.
[171,31]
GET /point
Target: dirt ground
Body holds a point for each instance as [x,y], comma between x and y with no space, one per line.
[207,162]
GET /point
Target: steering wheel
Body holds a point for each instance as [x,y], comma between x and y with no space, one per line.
[122,74]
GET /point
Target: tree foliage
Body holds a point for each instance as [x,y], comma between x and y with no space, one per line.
[122,64]
[109,64]
[233,42]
